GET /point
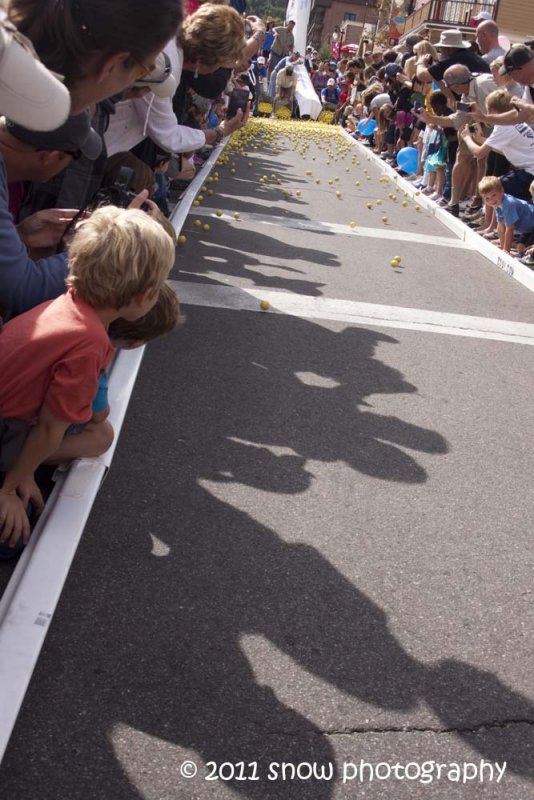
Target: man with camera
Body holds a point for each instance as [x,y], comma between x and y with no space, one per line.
[466,90]
[27,155]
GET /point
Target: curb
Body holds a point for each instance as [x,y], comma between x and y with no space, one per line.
[506,263]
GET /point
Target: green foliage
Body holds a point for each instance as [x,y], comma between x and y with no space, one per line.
[268,8]
[325,53]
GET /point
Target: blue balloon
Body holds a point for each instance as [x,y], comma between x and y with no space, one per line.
[367,127]
[408,159]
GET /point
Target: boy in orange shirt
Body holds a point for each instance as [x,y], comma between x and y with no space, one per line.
[51,357]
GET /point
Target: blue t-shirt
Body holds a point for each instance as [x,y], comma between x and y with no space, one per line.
[331,95]
[100,401]
[268,40]
[516,212]
[24,283]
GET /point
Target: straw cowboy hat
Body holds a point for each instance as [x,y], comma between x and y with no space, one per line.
[452,39]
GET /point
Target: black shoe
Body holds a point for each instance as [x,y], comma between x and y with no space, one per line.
[454,210]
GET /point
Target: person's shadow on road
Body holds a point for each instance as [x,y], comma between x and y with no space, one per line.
[156,642]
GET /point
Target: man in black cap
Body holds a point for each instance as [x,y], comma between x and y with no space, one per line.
[519,64]
[44,154]
[36,156]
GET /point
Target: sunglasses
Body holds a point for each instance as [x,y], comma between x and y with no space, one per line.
[74,154]
[162,74]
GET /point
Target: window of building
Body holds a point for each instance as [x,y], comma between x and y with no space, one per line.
[349,17]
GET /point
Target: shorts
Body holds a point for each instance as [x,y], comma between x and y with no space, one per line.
[463,153]
[13,433]
[497,164]
[526,239]
[389,137]
[403,119]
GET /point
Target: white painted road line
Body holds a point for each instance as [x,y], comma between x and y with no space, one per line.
[331,227]
[354,313]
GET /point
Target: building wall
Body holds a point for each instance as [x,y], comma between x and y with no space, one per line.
[334,16]
[515,19]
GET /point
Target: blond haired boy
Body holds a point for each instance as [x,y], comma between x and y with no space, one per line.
[51,357]
[512,214]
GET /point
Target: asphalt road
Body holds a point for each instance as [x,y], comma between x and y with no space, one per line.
[315,543]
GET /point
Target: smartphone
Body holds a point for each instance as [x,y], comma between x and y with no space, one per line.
[417,105]
[472,128]
[463,106]
[238,100]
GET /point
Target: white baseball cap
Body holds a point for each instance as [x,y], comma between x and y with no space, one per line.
[29,93]
[161,81]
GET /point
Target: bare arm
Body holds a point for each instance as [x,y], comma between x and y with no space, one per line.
[19,485]
[477,150]
[508,238]
[512,117]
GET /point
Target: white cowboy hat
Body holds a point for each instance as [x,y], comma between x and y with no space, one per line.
[452,39]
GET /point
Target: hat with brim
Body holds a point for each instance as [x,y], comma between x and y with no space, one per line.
[330,82]
[29,93]
[160,81]
[452,39]
[516,57]
[75,136]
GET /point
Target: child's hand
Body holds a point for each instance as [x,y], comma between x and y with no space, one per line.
[143,201]
[14,521]
[28,491]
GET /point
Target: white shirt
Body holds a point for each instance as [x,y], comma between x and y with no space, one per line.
[493,54]
[516,143]
[380,100]
[152,116]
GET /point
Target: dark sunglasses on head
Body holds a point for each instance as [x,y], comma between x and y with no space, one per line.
[75,154]
[162,74]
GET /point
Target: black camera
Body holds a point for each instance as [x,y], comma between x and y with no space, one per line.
[120,193]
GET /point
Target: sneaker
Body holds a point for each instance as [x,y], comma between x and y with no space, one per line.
[473,214]
[435,196]
[454,210]
[443,202]
[528,261]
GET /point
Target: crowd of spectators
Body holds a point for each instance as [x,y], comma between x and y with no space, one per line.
[87,163]
[466,111]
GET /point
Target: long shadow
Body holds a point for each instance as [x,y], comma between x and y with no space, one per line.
[154,642]
[228,252]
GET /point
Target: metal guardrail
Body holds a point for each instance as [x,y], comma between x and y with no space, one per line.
[448,12]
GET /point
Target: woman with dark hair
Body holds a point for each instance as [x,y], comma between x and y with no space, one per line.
[100,47]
